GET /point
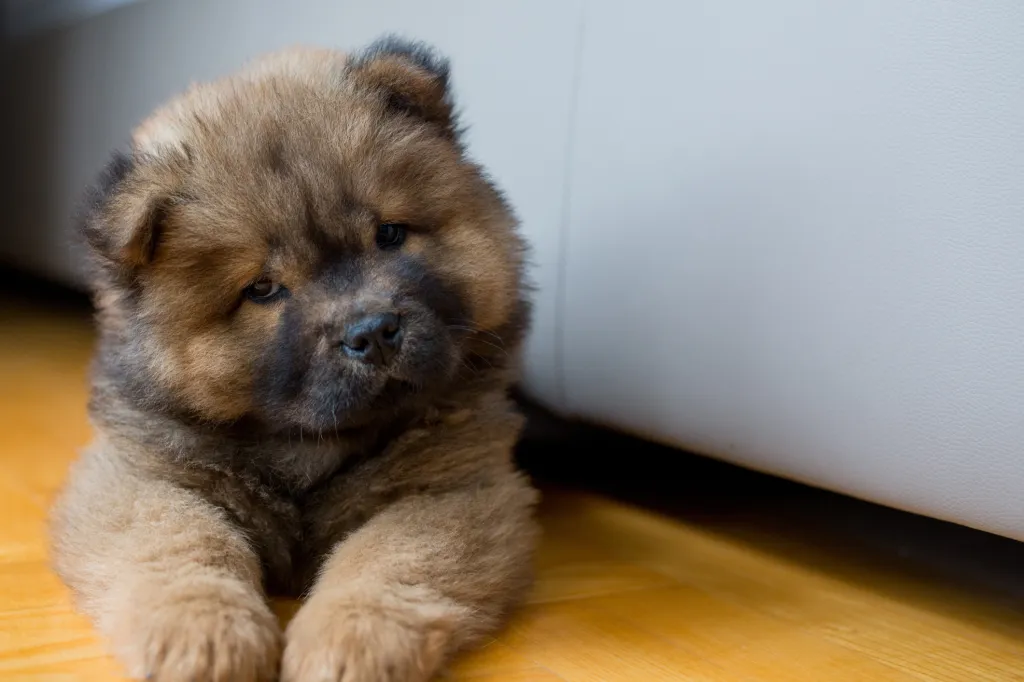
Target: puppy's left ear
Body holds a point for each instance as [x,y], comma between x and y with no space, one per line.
[410,77]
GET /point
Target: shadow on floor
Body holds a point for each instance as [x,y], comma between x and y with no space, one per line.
[844,537]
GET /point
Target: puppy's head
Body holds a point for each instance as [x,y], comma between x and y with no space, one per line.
[306,244]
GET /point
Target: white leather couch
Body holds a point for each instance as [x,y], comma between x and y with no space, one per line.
[787,234]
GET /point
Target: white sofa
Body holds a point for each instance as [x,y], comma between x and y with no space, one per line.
[788,234]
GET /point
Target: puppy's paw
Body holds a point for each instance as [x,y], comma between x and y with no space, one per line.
[214,631]
[339,640]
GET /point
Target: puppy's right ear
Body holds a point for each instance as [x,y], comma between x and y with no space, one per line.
[124,215]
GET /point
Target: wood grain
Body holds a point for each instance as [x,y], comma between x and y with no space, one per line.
[623,595]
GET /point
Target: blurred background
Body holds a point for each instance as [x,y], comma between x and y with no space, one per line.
[786,234]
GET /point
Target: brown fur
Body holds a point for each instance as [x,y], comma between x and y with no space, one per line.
[235,451]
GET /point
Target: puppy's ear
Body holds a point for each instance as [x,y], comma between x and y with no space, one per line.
[410,77]
[124,215]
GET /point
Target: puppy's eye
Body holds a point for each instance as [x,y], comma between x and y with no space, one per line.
[263,289]
[391,235]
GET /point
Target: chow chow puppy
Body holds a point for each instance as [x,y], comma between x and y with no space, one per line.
[310,306]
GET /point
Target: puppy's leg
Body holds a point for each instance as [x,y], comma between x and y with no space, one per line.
[165,576]
[426,576]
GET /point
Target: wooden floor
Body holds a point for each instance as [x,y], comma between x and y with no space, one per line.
[623,594]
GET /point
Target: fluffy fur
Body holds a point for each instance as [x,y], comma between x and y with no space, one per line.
[241,445]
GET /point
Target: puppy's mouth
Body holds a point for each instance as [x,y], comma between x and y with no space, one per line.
[351,401]
[376,374]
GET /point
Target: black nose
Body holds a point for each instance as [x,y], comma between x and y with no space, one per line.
[374,339]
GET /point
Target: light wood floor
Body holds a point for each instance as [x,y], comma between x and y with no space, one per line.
[623,594]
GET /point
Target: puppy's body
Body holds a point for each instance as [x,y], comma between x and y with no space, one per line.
[310,307]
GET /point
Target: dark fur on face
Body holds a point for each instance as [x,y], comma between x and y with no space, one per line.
[287,181]
[310,306]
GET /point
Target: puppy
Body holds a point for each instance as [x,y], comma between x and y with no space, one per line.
[310,306]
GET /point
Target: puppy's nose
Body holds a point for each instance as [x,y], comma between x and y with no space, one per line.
[374,339]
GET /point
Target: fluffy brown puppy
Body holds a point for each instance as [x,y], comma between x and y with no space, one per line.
[310,306]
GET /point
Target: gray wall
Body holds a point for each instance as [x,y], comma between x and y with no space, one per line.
[29,17]
[789,234]
[796,240]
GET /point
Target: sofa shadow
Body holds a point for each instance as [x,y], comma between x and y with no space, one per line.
[964,573]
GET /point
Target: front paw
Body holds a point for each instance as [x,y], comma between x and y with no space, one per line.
[346,640]
[209,631]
